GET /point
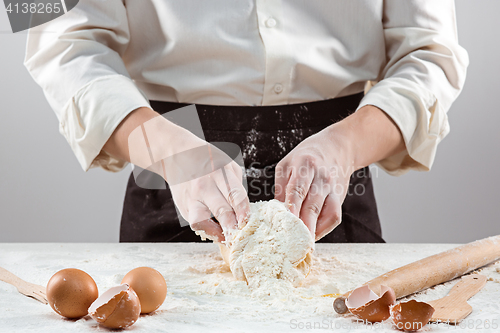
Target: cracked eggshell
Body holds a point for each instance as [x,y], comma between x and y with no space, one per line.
[366,305]
[119,307]
[70,292]
[412,315]
[149,285]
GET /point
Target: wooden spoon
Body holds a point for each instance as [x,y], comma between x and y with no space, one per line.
[28,289]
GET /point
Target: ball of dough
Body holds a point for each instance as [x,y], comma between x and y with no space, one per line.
[274,244]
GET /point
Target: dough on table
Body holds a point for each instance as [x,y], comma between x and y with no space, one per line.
[274,244]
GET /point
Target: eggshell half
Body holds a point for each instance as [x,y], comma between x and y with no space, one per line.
[149,285]
[366,305]
[70,292]
[412,315]
[119,307]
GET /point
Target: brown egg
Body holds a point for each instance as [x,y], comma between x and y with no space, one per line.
[366,305]
[149,285]
[411,316]
[119,307]
[70,292]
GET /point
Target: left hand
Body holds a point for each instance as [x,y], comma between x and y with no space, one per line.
[313,180]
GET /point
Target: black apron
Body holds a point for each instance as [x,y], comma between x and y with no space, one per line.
[265,135]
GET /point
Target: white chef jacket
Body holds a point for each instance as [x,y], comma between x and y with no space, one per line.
[106,58]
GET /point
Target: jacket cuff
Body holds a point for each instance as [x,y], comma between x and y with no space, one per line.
[418,115]
[92,115]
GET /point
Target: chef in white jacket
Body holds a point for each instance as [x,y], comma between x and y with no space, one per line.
[284,80]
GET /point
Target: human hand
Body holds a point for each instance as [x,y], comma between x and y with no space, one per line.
[218,192]
[314,177]
[313,180]
[203,179]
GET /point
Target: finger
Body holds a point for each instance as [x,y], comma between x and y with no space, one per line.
[221,209]
[280,180]
[242,212]
[232,189]
[330,216]
[313,204]
[237,170]
[199,217]
[297,188]
[211,229]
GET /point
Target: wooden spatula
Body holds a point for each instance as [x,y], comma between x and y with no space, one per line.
[433,270]
[453,308]
[28,289]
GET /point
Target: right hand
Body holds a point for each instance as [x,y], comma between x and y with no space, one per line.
[204,181]
[219,193]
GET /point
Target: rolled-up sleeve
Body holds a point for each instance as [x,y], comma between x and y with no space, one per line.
[76,59]
[424,73]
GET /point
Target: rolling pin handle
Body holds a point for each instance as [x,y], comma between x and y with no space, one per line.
[339,305]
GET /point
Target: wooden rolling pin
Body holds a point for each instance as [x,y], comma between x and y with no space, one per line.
[433,270]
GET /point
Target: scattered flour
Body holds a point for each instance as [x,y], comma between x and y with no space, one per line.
[204,295]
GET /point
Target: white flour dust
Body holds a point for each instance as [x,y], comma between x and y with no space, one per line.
[204,295]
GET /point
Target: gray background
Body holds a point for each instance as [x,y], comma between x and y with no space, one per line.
[46,197]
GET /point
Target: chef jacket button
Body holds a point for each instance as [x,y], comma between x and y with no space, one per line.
[278,88]
[271,23]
